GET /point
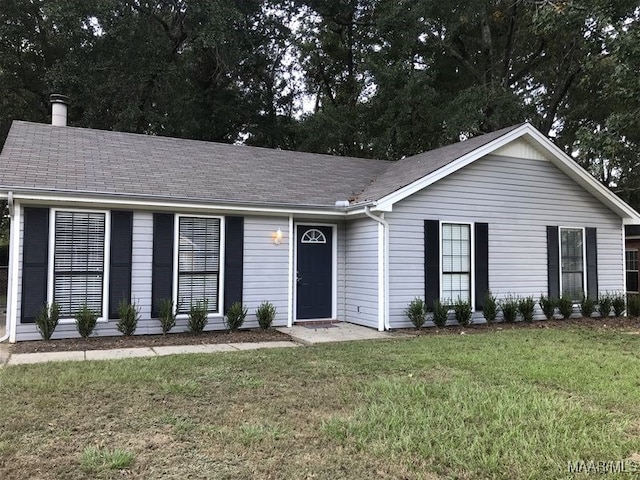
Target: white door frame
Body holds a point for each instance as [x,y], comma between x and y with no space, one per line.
[334,267]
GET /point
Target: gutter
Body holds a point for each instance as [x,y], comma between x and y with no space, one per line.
[383,269]
[159,201]
[7,329]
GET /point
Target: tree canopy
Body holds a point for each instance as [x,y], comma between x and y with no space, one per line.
[371,78]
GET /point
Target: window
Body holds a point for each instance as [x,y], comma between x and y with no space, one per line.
[198,262]
[456,262]
[313,235]
[572,263]
[631,262]
[78,261]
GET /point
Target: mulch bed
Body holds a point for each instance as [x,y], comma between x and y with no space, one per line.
[632,324]
[107,343]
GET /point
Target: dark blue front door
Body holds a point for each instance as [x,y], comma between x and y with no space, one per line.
[314,276]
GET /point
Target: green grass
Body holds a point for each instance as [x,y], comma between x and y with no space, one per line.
[505,404]
[96,459]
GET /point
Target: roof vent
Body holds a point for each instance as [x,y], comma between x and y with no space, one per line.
[342,203]
[58,109]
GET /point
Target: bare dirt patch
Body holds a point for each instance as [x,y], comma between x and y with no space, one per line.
[107,343]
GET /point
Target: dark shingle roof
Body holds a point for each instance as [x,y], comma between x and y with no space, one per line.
[408,170]
[78,160]
[49,158]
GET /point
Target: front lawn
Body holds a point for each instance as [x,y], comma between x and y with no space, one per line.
[502,404]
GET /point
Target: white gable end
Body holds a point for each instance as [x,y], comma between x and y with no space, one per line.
[520,148]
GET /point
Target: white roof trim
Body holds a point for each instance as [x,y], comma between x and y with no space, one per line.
[565,163]
[177,206]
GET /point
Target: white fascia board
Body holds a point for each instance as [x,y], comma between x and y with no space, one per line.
[386,203]
[572,169]
[92,201]
[565,163]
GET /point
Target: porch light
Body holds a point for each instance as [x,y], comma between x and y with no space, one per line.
[277,237]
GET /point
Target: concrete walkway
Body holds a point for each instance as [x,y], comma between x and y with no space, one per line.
[312,334]
[309,334]
[119,353]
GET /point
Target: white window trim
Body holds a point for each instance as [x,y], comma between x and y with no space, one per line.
[584,258]
[472,270]
[176,246]
[627,270]
[103,316]
[334,266]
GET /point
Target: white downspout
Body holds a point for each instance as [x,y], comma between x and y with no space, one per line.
[383,269]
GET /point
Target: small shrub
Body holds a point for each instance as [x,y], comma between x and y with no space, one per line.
[86,320]
[605,302]
[619,304]
[565,305]
[440,314]
[235,316]
[265,313]
[166,315]
[417,312]
[198,317]
[462,308]
[47,320]
[548,306]
[128,314]
[490,308]
[587,306]
[509,307]
[526,307]
[634,305]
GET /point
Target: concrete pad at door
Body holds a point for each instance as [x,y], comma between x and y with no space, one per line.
[118,353]
[26,358]
[259,345]
[338,332]
[183,349]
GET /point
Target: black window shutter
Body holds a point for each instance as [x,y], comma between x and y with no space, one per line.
[592,262]
[162,266]
[431,261]
[553,262]
[482,263]
[233,260]
[120,260]
[35,262]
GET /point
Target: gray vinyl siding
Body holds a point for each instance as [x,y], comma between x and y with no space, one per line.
[361,286]
[141,261]
[265,278]
[266,267]
[518,198]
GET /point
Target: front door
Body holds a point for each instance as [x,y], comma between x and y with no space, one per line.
[314,275]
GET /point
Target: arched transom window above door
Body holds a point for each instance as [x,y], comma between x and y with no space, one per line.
[313,235]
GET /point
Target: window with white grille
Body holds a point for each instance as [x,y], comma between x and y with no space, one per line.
[456,262]
[572,263]
[198,262]
[78,273]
